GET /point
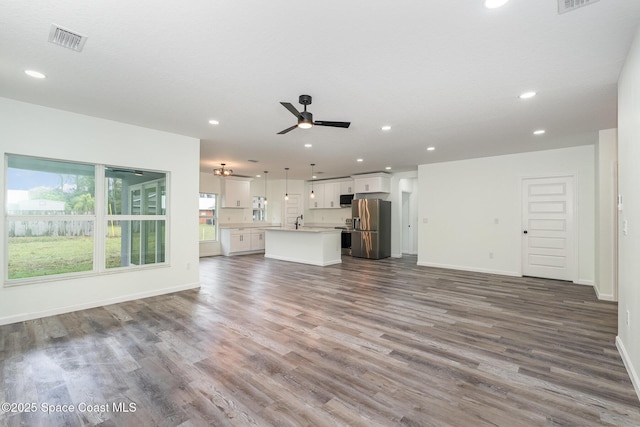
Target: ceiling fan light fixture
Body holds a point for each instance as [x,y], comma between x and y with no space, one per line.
[305,118]
[305,121]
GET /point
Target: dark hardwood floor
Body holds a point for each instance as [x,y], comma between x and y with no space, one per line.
[365,343]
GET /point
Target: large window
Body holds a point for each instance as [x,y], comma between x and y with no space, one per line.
[50,217]
[135,217]
[259,208]
[207,217]
[75,218]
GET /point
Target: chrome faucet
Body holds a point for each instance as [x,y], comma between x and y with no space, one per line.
[297,223]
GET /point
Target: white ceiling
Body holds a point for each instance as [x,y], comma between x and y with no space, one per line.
[445,74]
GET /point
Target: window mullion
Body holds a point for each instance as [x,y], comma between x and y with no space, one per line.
[99,238]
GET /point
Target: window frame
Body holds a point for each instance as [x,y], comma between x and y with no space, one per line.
[261,208]
[214,217]
[99,218]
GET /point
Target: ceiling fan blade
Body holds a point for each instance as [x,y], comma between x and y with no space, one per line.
[291,108]
[282,132]
[332,124]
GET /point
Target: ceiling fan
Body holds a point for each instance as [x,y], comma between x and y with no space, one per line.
[305,118]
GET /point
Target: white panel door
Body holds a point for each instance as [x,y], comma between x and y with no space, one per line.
[547,227]
[292,209]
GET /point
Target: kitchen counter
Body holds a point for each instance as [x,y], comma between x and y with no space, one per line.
[306,245]
[246,225]
[304,229]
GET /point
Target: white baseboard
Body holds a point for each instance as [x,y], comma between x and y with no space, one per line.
[603,297]
[465,268]
[304,261]
[585,282]
[93,304]
[633,375]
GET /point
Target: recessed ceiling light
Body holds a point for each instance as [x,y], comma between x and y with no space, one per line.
[527,95]
[34,74]
[360,160]
[214,122]
[308,145]
[493,4]
[431,148]
[388,168]
[539,132]
[258,176]
[386,127]
[314,177]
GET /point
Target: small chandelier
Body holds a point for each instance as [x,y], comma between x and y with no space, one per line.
[222,171]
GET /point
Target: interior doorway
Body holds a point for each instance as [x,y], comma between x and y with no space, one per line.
[548,218]
[292,209]
[408,228]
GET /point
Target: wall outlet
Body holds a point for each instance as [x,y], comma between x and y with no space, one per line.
[490,255]
[425,220]
[188,266]
[496,220]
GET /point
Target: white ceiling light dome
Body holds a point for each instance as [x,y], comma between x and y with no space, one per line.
[35,74]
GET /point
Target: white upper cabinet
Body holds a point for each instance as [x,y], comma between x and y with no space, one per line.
[332,195]
[236,193]
[318,192]
[346,187]
[327,195]
[372,183]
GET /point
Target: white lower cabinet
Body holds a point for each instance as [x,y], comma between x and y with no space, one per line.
[257,240]
[235,241]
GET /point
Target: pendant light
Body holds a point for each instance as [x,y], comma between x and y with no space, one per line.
[265,187]
[313,195]
[286,183]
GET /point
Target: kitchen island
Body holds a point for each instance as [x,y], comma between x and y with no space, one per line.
[315,246]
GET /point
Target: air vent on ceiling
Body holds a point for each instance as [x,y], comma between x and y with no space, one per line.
[569,5]
[65,38]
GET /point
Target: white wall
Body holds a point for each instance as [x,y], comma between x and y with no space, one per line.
[32,130]
[628,339]
[606,215]
[460,201]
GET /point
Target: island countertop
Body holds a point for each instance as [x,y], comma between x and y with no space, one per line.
[315,246]
[304,229]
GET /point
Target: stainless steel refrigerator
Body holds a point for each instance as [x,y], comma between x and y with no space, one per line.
[371,235]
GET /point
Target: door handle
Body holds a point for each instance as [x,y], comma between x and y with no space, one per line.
[525,232]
